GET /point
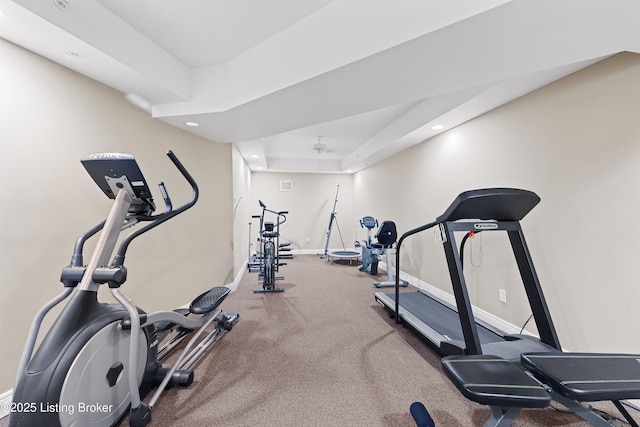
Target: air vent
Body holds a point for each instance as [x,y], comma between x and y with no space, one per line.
[286,185]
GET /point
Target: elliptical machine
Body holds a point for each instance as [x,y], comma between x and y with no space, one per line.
[99,360]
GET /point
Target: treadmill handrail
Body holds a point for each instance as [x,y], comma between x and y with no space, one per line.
[398,245]
[491,202]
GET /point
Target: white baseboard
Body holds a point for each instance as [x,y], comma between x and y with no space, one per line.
[5,403]
[236,281]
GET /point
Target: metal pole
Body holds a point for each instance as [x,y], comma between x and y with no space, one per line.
[331,218]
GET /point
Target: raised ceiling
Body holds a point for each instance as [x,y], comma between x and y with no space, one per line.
[364,79]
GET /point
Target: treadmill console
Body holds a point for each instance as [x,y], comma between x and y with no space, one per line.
[114,172]
[500,204]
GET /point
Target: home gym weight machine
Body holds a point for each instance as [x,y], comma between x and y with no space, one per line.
[270,247]
[386,237]
[508,372]
[98,361]
[344,253]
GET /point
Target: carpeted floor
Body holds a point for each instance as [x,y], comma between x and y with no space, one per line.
[323,353]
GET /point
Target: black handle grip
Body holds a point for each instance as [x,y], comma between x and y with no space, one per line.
[188,177]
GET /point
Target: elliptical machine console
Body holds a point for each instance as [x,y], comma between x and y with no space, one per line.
[98,360]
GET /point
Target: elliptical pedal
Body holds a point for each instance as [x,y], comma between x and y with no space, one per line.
[209,301]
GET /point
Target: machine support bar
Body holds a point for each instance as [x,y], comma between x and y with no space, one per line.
[107,240]
[465,311]
[533,289]
[404,236]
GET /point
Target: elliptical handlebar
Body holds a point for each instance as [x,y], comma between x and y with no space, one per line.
[169,213]
[114,172]
[282,214]
[190,180]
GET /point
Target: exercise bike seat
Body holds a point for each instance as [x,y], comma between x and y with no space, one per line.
[587,377]
[209,301]
[387,234]
[494,381]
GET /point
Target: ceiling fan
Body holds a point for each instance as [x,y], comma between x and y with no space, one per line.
[320,147]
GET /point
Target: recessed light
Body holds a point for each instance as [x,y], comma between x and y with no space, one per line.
[437,127]
[192,124]
[62,4]
[70,55]
[255,156]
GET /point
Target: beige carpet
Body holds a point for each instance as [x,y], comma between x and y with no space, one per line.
[323,353]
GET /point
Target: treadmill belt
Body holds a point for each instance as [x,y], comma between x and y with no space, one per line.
[439,317]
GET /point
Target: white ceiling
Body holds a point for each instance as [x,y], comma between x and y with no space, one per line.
[367,78]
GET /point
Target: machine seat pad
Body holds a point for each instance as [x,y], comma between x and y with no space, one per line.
[493,381]
[587,377]
[209,301]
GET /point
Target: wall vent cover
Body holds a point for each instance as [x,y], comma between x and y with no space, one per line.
[286,185]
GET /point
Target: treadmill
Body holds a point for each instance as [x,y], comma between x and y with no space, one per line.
[453,329]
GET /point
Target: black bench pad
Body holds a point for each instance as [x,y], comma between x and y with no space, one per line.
[587,377]
[493,381]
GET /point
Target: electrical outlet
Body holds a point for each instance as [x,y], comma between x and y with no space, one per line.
[502,295]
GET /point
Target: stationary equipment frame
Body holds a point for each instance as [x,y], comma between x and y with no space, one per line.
[510,372]
[107,355]
[341,254]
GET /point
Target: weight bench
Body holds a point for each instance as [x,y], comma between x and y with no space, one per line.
[568,378]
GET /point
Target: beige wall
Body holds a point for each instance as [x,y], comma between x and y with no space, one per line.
[241,211]
[576,143]
[309,205]
[52,117]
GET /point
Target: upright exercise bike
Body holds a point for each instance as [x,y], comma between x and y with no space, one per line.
[386,237]
[270,250]
[370,253]
[99,360]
